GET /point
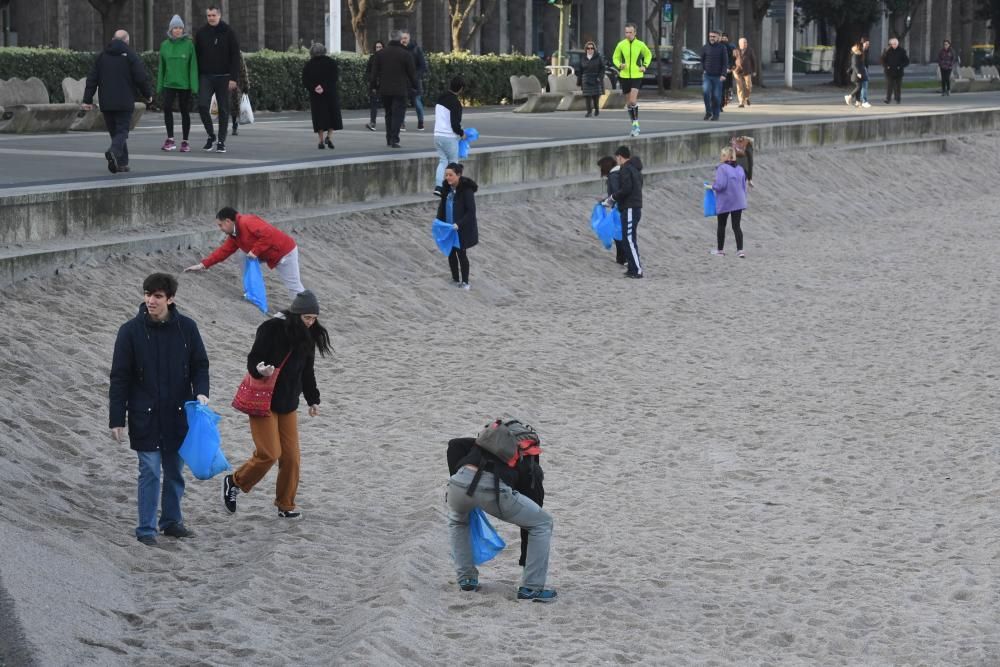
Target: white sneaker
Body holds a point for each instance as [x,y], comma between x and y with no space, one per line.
[465,286]
[741,254]
[865,105]
[717,253]
[847,100]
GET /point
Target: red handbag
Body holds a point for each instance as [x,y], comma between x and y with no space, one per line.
[254,396]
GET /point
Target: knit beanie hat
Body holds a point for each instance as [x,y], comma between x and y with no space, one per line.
[175,22]
[305,303]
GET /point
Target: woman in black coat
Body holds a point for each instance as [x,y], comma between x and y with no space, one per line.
[592,78]
[319,76]
[458,208]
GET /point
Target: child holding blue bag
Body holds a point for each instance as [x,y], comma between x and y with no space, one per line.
[611,171]
[730,189]
[447,130]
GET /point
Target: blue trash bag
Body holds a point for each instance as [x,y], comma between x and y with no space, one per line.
[445,236]
[486,544]
[471,134]
[253,284]
[601,222]
[708,203]
[616,223]
[200,449]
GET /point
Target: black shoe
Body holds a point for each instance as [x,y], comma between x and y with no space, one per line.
[589,114]
[209,145]
[888,101]
[402,128]
[596,113]
[236,130]
[420,126]
[112,162]
[707,116]
[148,540]
[633,275]
[289,514]
[123,168]
[229,493]
[329,144]
[321,146]
[220,147]
[370,126]
[715,118]
[395,145]
[177,530]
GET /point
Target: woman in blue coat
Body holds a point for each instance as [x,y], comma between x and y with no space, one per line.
[458,208]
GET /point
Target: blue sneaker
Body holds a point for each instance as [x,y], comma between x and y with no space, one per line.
[537,595]
[468,585]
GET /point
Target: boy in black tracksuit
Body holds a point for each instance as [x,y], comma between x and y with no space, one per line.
[218,52]
[629,201]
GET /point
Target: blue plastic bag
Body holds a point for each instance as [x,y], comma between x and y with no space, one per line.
[616,223]
[602,223]
[253,284]
[471,134]
[445,236]
[708,203]
[200,449]
[486,544]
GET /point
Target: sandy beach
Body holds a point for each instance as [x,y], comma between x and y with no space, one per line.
[785,459]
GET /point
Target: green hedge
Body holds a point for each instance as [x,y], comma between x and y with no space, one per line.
[275,77]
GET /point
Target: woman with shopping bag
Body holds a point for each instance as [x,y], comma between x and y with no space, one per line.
[730,189]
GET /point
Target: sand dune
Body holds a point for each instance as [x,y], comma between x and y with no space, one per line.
[787,459]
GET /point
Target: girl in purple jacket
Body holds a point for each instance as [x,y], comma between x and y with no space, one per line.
[730,197]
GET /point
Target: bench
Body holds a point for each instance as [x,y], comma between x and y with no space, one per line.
[93,120]
[536,100]
[25,108]
[565,85]
[613,98]
[959,82]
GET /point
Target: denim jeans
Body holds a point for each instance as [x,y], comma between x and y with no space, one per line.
[447,150]
[150,464]
[711,90]
[513,508]
[864,91]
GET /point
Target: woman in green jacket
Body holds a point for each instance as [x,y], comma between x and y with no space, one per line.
[177,78]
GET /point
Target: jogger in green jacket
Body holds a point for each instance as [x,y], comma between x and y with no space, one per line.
[177,78]
[631,57]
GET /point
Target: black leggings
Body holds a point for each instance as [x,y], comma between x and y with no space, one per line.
[184,102]
[946,81]
[720,232]
[456,258]
[594,100]
[856,91]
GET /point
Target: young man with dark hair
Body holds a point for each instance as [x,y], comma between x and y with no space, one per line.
[631,56]
[447,130]
[159,364]
[218,52]
[259,240]
[715,66]
[628,197]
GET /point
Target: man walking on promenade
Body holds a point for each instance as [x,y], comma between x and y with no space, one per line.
[118,72]
[894,61]
[218,52]
[714,65]
[420,64]
[159,364]
[631,57]
[629,201]
[745,66]
[394,72]
[259,240]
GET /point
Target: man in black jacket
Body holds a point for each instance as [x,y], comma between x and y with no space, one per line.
[395,74]
[894,61]
[218,51]
[420,64]
[715,66]
[629,200]
[118,72]
[159,364]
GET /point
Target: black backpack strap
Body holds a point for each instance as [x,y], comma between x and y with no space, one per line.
[475,481]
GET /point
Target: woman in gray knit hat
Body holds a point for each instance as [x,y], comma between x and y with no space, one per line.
[177,78]
[286,345]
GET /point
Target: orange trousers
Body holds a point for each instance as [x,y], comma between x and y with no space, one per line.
[276,440]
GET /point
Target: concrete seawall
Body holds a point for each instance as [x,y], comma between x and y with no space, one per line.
[44,229]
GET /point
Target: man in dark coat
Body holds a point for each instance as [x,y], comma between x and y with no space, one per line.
[714,66]
[395,73]
[420,64]
[159,364]
[894,61]
[118,72]
[218,51]
[628,198]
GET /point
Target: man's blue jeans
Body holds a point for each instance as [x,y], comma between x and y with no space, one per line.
[711,89]
[150,465]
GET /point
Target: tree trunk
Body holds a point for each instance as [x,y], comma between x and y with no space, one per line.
[359,24]
[847,35]
[756,38]
[478,22]
[653,24]
[681,13]
[110,11]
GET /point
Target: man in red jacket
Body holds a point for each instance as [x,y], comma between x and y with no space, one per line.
[259,240]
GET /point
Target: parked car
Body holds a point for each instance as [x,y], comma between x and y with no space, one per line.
[576,57]
[691,63]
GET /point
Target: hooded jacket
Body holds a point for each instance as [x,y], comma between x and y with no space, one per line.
[272,345]
[118,72]
[463,212]
[218,51]
[730,188]
[252,234]
[178,64]
[629,193]
[156,368]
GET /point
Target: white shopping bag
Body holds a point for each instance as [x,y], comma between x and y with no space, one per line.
[246,111]
[214,107]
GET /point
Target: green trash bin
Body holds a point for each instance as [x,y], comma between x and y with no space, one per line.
[801,61]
